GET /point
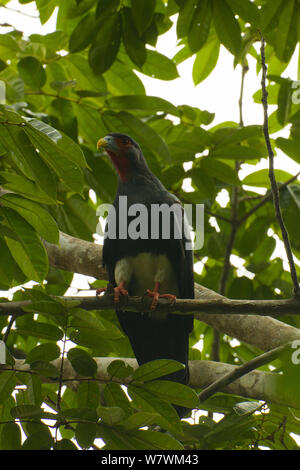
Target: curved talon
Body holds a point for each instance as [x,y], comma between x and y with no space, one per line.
[156,296]
[118,291]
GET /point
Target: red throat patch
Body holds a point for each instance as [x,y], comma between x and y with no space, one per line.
[121,165]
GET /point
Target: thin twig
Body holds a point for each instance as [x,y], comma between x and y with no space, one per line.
[61,373]
[274,187]
[266,198]
[19,12]
[8,328]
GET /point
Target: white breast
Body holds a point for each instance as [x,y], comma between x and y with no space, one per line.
[142,271]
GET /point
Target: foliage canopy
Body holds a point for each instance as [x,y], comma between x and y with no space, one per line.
[63,91]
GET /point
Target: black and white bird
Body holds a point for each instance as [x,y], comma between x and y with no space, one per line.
[158,265]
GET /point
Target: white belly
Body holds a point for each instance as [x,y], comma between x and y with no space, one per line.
[142,271]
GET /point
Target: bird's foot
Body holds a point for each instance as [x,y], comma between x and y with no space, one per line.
[116,291]
[156,296]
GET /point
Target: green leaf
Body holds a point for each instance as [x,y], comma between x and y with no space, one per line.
[64,146]
[290,147]
[142,12]
[79,69]
[45,8]
[287,39]
[139,420]
[154,369]
[82,362]
[94,325]
[65,444]
[10,273]
[238,152]
[142,102]
[269,13]
[85,434]
[88,394]
[245,9]
[83,34]
[7,384]
[28,411]
[186,12]
[43,352]
[174,392]
[114,395]
[35,215]
[90,124]
[144,439]
[227,27]
[284,102]
[260,178]
[44,368]
[200,25]
[105,46]
[11,437]
[25,156]
[206,60]
[34,388]
[134,45]
[28,252]
[203,182]
[38,329]
[32,72]
[121,80]
[119,369]
[144,400]
[220,170]
[159,66]
[41,440]
[59,151]
[110,414]
[25,187]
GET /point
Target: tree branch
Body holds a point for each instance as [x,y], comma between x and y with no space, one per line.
[220,306]
[242,370]
[256,384]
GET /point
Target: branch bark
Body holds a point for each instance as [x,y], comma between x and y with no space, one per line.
[256,384]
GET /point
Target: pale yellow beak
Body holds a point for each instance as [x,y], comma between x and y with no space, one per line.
[101,143]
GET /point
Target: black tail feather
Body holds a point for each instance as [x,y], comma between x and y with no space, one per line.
[160,339]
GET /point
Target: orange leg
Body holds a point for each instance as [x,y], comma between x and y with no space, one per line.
[156,295]
[118,291]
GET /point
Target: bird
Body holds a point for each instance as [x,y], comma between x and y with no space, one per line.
[152,265]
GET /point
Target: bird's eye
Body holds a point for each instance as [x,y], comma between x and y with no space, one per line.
[125,141]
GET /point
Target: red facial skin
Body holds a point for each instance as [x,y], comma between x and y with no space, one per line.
[120,160]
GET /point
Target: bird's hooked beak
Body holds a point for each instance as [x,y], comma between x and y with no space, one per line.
[102,143]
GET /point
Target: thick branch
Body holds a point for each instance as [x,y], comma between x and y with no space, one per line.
[219,306]
[256,384]
[77,256]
